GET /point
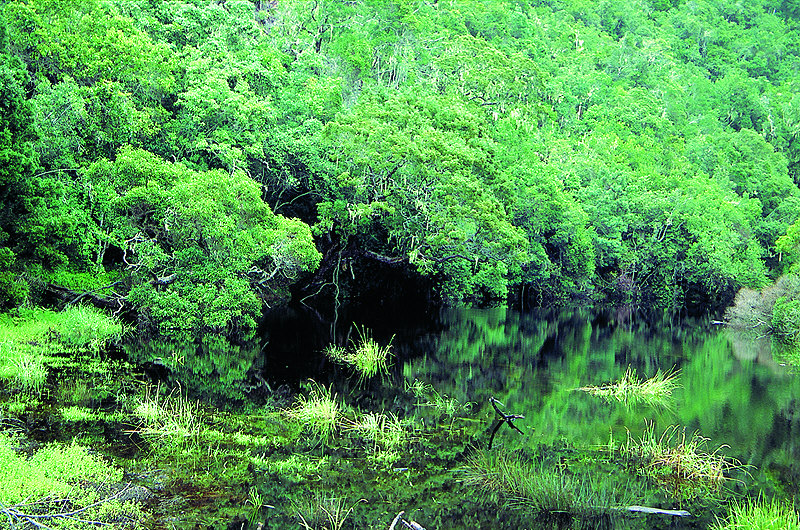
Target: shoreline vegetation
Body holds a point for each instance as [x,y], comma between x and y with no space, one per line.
[136,445]
[173,172]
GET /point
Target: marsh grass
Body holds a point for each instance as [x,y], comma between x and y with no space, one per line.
[318,412]
[386,434]
[760,515]
[322,511]
[681,465]
[170,418]
[629,389]
[515,482]
[23,368]
[365,356]
[427,396]
[89,328]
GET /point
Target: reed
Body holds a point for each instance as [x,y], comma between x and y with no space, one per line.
[630,389]
[365,356]
[681,464]
[515,482]
[319,412]
[760,515]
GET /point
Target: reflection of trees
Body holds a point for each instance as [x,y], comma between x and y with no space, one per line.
[208,365]
[532,362]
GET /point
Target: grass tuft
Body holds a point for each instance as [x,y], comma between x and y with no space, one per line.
[629,389]
[385,432]
[516,482]
[760,515]
[681,465]
[318,412]
[365,356]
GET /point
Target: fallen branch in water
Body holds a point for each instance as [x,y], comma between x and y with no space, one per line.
[647,509]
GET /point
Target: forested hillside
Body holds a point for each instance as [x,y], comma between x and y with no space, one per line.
[192,161]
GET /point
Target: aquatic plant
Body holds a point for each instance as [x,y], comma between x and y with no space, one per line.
[318,412]
[760,515]
[365,356]
[167,418]
[427,396]
[682,466]
[22,368]
[386,432]
[255,501]
[516,482]
[321,511]
[630,389]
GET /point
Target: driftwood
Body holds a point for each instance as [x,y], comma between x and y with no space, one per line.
[413,525]
[647,509]
[114,302]
[502,418]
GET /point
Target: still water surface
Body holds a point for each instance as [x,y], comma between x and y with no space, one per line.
[731,389]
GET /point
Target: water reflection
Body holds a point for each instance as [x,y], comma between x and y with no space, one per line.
[730,388]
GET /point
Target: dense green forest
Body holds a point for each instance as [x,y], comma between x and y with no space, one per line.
[191,162]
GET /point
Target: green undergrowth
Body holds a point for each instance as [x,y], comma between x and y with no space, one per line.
[61,486]
[34,341]
[760,514]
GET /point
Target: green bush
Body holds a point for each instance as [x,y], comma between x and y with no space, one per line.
[786,318]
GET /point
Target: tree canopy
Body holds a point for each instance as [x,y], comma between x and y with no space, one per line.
[199,159]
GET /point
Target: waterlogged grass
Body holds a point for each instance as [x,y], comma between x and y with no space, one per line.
[629,389]
[22,368]
[318,412]
[513,481]
[385,433]
[682,465]
[32,340]
[365,356]
[760,515]
[324,511]
[171,419]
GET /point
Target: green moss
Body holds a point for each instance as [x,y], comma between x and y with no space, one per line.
[55,470]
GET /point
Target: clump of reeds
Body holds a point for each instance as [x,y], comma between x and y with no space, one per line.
[365,356]
[323,511]
[385,432]
[319,411]
[172,417]
[681,464]
[760,515]
[630,389]
[516,482]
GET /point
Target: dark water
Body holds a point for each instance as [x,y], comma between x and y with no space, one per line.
[731,390]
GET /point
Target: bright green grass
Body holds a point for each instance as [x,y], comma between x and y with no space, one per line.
[30,339]
[760,515]
[630,389]
[365,356]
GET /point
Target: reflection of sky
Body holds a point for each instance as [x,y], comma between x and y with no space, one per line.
[731,391]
